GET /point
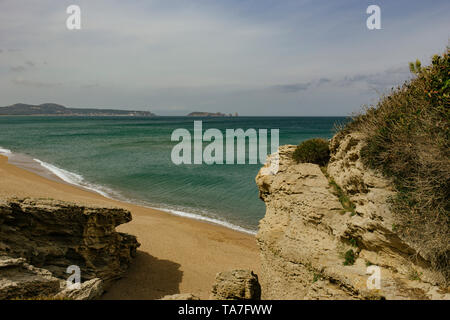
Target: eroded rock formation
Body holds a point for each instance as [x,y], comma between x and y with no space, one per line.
[40,239]
[313,248]
[18,279]
[236,285]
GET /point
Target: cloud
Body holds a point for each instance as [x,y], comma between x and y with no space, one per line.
[323,81]
[297,87]
[24,67]
[379,81]
[18,69]
[36,84]
[290,88]
[90,86]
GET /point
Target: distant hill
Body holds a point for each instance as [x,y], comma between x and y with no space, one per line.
[210,114]
[21,109]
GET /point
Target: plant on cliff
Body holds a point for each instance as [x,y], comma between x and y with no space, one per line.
[345,201]
[349,258]
[313,151]
[407,138]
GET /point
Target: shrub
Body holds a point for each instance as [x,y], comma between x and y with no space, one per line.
[407,138]
[414,275]
[349,258]
[313,151]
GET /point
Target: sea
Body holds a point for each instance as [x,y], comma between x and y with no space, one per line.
[129,159]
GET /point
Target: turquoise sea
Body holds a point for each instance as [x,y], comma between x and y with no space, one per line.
[129,158]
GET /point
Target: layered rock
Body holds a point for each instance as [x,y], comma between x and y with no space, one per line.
[88,290]
[181,296]
[19,279]
[313,248]
[236,285]
[52,235]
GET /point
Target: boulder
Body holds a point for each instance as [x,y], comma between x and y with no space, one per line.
[41,238]
[88,290]
[236,285]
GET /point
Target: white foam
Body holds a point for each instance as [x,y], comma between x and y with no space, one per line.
[207,219]
[5,152]
[78,180]
[75,179]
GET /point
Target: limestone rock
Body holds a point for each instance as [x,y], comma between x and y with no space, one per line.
[236,285]
[19,280]
[181,296]
[306,232]
[88,290]
[53,235]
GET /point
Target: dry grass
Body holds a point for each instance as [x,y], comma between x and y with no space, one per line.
[313,151]
[407,138]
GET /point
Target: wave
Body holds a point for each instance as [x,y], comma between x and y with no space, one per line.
[195,216]
[78,180]
[5,152]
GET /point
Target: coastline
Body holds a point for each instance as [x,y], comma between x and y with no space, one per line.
[54,173]
[177,254]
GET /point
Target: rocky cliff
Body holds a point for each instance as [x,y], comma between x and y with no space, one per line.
[40,239]
[314,247]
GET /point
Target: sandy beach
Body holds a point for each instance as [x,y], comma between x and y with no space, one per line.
[177,255]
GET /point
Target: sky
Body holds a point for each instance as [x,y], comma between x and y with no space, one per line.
[254,57]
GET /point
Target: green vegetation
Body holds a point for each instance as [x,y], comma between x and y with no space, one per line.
[414,275]
[407,138]
[345,201]
[368,264]
[313,151]
[349,258]
[353,242]
[317,276]
[415,67]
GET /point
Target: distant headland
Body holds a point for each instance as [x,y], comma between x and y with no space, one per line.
[52,109]
[211,114]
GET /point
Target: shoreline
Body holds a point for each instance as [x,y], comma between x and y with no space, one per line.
[57,174]
[177,254]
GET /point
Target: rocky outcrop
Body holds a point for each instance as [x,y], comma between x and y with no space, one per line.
[181,296]
[40,239]
[89,290]
[18,279]
[236,285]
[314,248]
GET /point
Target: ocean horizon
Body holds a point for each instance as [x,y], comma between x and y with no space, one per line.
[128,159]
